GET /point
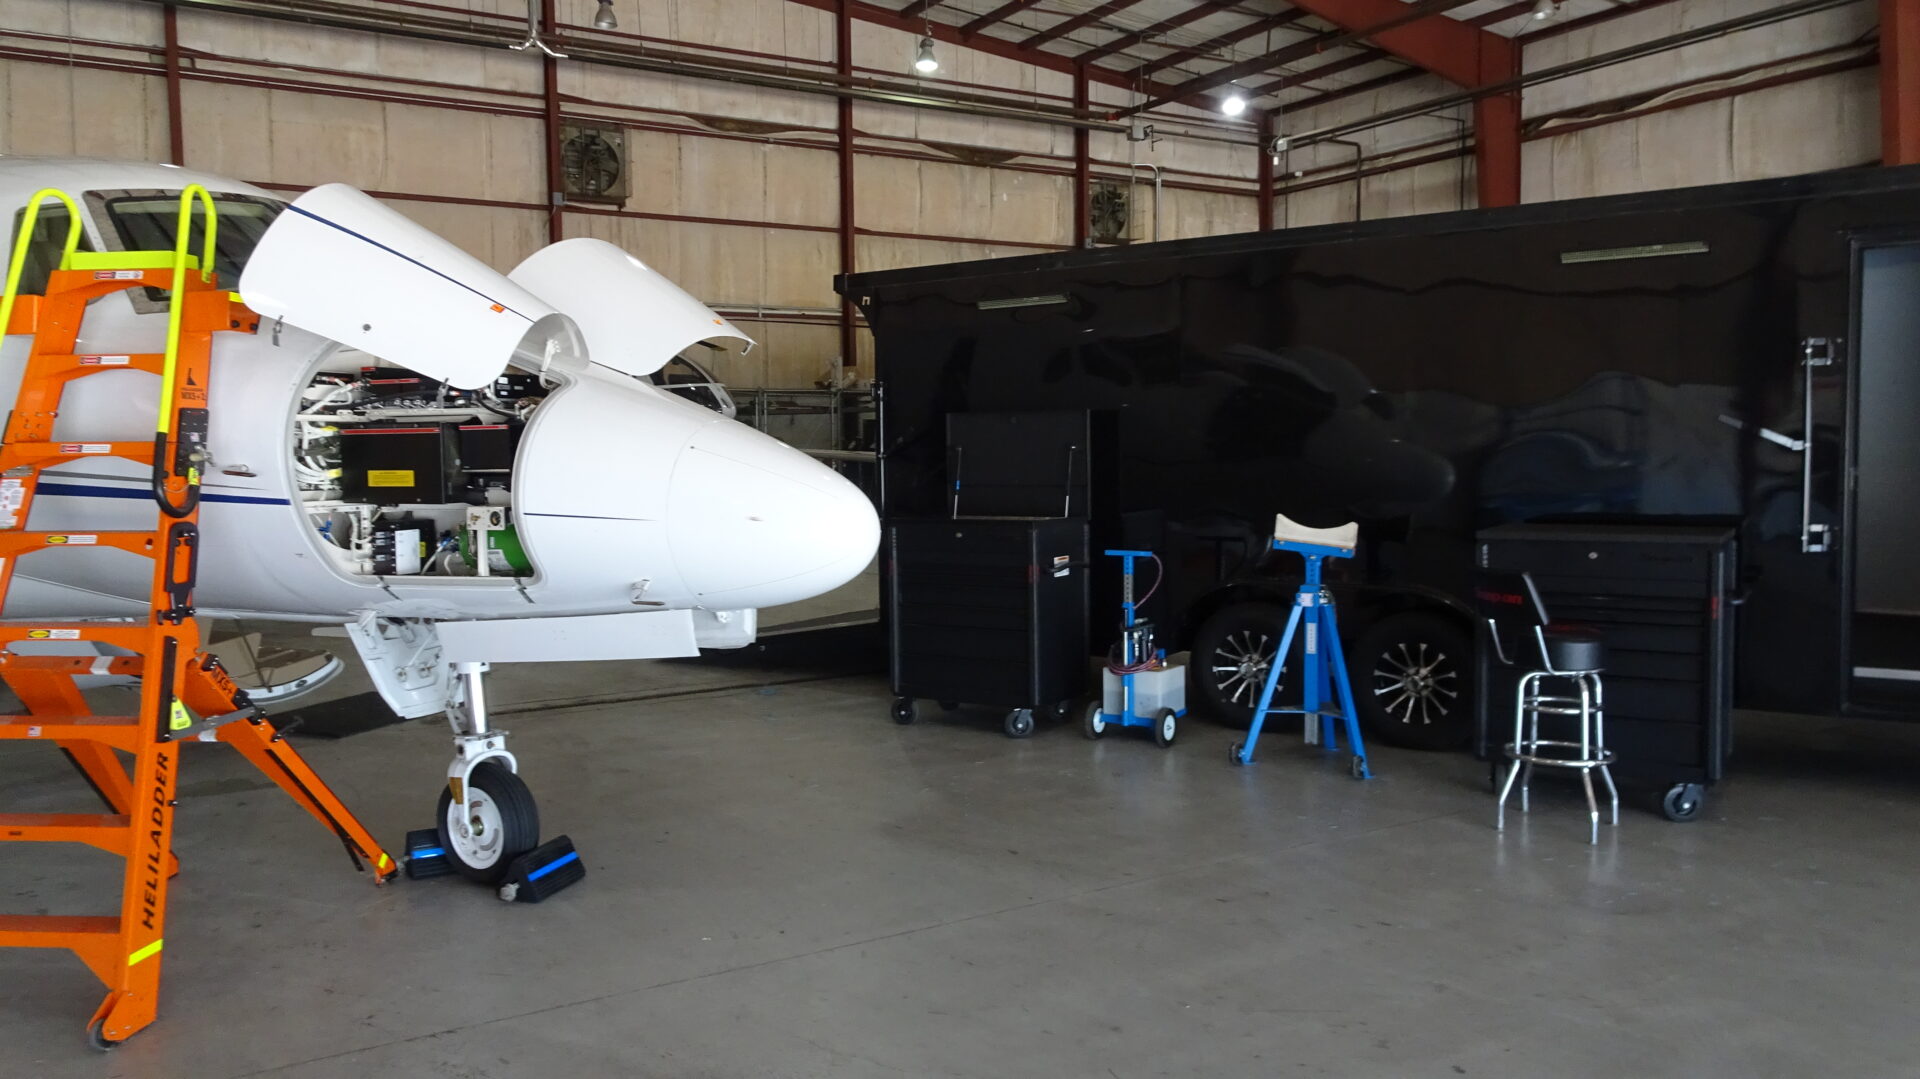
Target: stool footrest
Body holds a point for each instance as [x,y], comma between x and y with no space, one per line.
[1531,753]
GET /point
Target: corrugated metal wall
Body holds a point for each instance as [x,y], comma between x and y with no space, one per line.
[735,189]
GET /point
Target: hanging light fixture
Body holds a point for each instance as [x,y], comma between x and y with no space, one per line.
[1234,103]
[924,62]
[1545,9]
[603,19]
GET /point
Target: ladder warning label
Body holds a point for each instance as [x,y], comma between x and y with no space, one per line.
[86,447]
[13,492]
[53,635]
[105,361]
[75,541]
[116,275]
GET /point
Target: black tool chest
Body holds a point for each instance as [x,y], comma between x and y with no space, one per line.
[1660,597]
[988,604]
[989,611]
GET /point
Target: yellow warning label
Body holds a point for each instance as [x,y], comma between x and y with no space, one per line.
[390,477]
[180,720]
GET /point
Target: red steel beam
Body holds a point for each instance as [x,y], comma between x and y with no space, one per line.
[1899,82]
[1496,129]
[176,131]
[1172,22]
[1082,168]
[1004,11]
[919,8]
[1068,26]
[1388,79]
[556,169]
[1221,41]
[1447,47]
[987,43]
[1266,172]
[1301,78]
[849,248]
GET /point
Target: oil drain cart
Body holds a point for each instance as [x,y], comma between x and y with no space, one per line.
[1141,689]
[1326,666]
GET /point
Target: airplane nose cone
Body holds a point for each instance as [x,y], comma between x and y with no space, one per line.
[754,522]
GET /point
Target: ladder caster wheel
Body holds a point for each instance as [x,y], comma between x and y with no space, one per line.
[97,1039]
[1357,767]
[1683,802]
[1165,726]
[903,712]
[1058,710]
[1233,754]
[1020,723]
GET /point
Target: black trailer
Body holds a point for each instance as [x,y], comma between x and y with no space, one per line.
[1745,355]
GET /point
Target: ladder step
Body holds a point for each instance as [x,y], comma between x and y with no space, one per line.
[14,542]
[25,452]
[106,830]
[127,260]
[151,362]
[54,930]
[128,635]
[120,732]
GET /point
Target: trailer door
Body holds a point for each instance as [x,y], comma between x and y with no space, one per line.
[1883,541]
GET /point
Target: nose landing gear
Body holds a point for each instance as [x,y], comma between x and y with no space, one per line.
[486,817]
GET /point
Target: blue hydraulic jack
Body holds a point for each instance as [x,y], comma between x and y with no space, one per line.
[1141,689]
[1326,668]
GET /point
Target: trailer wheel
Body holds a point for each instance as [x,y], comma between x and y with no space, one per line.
[1232,651]
[1412,681]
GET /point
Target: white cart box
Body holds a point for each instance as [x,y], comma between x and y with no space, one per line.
[1152,691]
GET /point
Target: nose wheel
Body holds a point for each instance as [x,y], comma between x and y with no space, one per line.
[497,823]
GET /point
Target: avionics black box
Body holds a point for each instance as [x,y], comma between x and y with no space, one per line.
[398,466]
[488,447]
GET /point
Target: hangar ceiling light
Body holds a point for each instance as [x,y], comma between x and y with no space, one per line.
[925,63]
[604,18]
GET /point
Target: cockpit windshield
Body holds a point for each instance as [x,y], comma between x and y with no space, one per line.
[145,221]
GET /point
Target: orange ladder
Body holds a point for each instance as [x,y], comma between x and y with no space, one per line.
[184,693]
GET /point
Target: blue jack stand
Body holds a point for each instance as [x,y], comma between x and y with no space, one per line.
[1326,667]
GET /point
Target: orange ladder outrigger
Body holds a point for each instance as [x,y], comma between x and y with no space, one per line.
[185,695]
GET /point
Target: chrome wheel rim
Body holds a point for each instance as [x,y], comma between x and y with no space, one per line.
[1415,682]
[1240,663]
[474,829]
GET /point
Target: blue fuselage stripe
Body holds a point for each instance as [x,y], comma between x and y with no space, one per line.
[81,490]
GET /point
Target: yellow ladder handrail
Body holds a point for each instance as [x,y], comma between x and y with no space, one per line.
[181,241]
[25,239]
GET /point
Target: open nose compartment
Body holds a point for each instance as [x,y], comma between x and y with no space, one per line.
[403,442]
[404,475]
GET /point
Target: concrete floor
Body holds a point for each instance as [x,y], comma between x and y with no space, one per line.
[783,883]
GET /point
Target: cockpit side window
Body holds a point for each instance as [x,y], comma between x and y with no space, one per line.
[682,377]
[43,249]
[145,221]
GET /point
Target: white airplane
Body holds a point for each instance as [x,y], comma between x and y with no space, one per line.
[457,466]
